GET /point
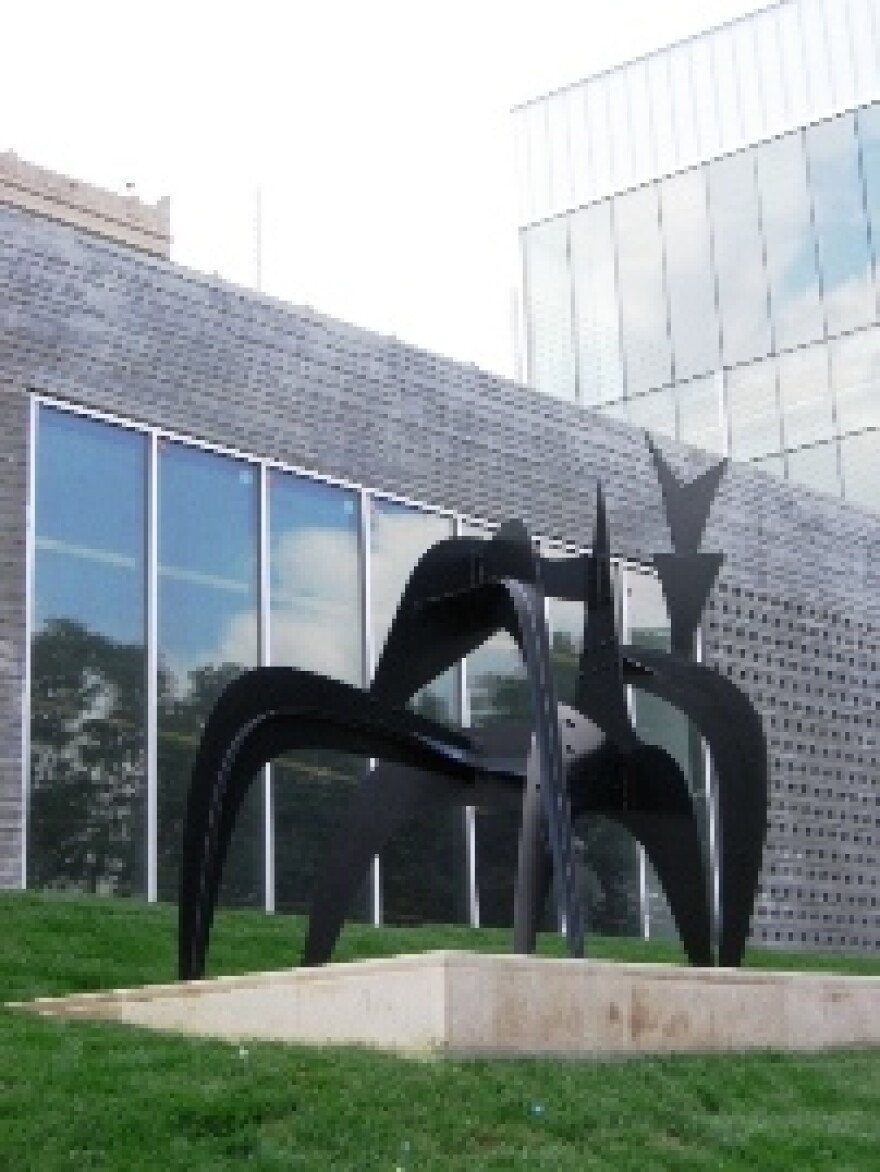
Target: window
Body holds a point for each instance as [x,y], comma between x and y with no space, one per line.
[646,350]
[804,395]
[841,225]
[208,635]
[790,247]
[860,463]
[689,280]
[87,826]
[315,623]
[701,418]
[855,378]
[754,417]
[548,309]
[596,310]
[816,468]
[423,872]
[742,284]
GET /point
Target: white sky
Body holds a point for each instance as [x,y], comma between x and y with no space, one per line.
[378,131]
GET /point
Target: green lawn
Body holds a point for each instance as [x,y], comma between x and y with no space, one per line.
[78,1095]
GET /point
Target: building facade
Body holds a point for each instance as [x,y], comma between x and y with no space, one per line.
[700,232]
[195,479]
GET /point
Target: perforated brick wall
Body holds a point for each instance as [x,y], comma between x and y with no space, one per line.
[794,620]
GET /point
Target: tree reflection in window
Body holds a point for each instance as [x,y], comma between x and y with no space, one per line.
[87,806]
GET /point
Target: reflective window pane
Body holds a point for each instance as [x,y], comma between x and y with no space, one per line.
[705,92]
[860,463]
[556,111]
[754,416]
[727,90]
[315,623]
[641,121]
[87,815]
[689,280]
[790,245]
[750,93]
[841,225]
[646,350]
[538,158]
[661,113]
[207,622]
[580,149]
[596,105]
[683,106]
[548,309]
[770,75]
[840,57]
[855,380]
[701,418]
[597,317]
[864,47]
[622,146]
[868,122]
[654,412]
[794,68]
[739,259]
[423,867]
[815,39]
[804,396]
[815,468]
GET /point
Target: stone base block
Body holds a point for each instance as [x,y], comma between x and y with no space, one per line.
[467,1004]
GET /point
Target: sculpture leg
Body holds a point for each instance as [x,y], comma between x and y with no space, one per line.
[534,871]
[389,796]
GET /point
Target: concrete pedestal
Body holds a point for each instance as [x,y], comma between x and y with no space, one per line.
[460,1004]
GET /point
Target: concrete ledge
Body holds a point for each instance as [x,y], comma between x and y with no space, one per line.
[467,1004]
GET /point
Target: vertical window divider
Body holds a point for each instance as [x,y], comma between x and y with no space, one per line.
[30,554]
[265,653]
[152,666]
[368,665]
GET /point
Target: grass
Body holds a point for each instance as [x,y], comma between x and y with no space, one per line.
[93,1095]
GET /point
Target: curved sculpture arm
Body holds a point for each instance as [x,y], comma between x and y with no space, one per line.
[266,712]
[644,791]
[735,736]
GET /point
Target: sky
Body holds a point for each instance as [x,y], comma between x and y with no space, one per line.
[377,134]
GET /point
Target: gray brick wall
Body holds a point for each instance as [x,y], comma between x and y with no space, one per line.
[14,432]
[144,339]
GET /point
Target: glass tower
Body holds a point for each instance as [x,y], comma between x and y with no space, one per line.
[700,232]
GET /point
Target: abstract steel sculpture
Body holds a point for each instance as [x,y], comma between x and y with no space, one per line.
[565,763]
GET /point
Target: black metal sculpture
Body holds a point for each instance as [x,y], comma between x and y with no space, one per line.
[568,762]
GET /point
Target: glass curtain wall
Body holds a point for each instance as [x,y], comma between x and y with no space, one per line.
[708,304]
[423,868]
[207,635]
[315,591]
[87,824]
